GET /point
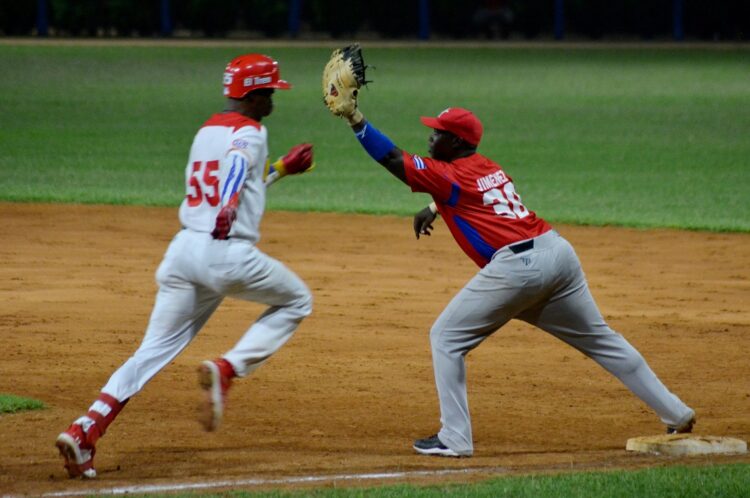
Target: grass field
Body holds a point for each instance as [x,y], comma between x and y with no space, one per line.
[675,482]
[637,137]
[633,137]
[10,403]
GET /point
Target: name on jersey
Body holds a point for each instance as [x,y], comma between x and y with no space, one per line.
[491,181]
[257,80]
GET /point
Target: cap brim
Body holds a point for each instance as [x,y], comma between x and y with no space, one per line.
[431,123]
[281,85]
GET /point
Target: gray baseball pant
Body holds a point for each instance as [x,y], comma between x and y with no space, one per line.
[546,287]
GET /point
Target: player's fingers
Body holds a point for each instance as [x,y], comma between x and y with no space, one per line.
[425,228]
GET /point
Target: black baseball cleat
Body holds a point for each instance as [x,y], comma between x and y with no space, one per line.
[685,428]
[433,446]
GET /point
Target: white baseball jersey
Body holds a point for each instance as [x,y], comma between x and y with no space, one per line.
[228,155]
[227,158]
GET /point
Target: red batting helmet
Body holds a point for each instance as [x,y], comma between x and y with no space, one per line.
[251,72]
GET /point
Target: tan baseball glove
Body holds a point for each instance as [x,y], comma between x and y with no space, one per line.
[343,76]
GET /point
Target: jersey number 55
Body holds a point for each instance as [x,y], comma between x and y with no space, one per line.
[204,184]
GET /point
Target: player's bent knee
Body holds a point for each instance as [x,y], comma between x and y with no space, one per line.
[304,304]
[308,306]
[437,337]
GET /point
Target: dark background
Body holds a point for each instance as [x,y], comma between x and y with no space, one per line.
[723,20]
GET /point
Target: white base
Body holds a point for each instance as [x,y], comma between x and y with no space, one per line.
[686,445]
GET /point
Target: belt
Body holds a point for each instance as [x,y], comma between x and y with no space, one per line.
[522,247]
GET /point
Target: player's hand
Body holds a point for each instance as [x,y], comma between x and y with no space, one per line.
[423,222]
[224,221]
[298,160]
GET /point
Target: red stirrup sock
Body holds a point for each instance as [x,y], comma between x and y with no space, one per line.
[103,411]
[225,368]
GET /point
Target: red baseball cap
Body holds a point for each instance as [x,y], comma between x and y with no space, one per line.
[461,122]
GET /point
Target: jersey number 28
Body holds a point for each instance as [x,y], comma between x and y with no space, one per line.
[204,183]
[505,201]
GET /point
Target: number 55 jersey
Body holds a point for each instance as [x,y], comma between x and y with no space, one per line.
[478,202]
[227,158]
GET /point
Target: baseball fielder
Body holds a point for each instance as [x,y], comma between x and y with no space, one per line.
[213,256]
[527,270]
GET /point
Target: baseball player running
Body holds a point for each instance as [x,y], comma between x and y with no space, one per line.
[213,256]
[527,270]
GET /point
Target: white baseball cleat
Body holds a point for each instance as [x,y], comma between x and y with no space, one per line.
[215,378]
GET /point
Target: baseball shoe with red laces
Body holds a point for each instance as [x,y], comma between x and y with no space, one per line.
[214,377]
[77,452]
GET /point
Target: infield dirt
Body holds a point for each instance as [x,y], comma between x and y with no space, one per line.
[354,386]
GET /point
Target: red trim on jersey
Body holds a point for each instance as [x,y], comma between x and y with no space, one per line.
[233,119]
[478,202]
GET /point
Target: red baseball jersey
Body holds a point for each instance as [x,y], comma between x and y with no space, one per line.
[478,202]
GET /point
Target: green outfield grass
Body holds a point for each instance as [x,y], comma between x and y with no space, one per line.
[636,137]
[633,137]
[10,403]
[674,482]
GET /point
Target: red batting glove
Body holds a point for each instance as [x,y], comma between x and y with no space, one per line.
[224,221]
[297,160]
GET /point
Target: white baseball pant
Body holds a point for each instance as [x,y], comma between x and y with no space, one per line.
[196,274]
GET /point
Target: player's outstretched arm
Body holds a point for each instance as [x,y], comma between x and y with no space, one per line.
[380,148]
[343,76]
